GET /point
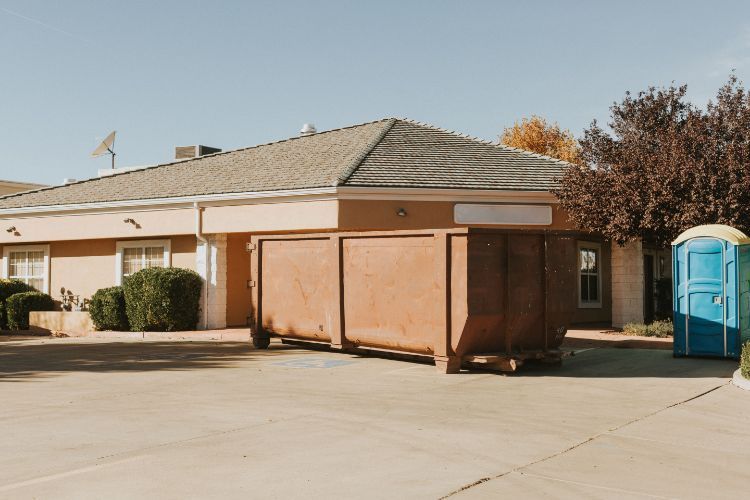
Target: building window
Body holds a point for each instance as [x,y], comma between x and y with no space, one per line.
[29,264]
[132,256]
[589,275]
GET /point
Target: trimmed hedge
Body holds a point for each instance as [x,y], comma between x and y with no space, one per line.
[8,288]
[163,299]
[19,305]
[107,309]
[745,360]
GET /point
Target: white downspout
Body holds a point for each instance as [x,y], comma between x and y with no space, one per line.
[199,236]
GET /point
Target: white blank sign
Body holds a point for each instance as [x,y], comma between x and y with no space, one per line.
[526,215]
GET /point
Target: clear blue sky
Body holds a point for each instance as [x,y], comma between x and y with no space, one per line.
[233,74]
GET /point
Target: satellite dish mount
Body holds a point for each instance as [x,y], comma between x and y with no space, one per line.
[107,146]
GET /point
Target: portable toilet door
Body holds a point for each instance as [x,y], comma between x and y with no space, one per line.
[707,297]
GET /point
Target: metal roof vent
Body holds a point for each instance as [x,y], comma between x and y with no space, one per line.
[187,152]
[308,129]
[68,180]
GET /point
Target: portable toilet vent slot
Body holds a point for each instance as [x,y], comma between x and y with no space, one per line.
[711,291]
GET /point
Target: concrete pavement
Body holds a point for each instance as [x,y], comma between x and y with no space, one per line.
[87,418]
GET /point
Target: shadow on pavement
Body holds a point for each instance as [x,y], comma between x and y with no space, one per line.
[25,361]
[20,361]
[633,363]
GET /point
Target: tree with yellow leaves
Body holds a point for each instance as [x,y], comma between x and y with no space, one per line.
[536,135]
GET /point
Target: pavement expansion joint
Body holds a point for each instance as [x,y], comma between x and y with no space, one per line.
[579,444]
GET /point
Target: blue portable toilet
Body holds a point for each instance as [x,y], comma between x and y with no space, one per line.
[711,274]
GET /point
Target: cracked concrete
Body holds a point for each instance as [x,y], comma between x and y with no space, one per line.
[86,418]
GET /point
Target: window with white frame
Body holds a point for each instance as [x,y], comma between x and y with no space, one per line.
[132,256]
[589,274]
[29,264]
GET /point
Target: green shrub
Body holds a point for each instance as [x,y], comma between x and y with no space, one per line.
[162,299]
[19,305]
[8,288]
[107,309]
[661,329]
[745,360]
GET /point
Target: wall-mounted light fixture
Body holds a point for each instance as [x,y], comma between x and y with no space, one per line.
[401,212]
[11,229]
[132,221]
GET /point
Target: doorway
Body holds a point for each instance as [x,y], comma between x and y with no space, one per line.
[649,292]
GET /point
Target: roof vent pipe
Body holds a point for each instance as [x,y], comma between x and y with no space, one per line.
[308,129]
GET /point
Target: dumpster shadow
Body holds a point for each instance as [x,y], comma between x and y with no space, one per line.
[23,361]
[632,363]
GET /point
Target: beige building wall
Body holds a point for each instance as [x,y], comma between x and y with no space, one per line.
[361,215]
[627,284]
[82,267]
[83,246]
[85,266]
[158,221]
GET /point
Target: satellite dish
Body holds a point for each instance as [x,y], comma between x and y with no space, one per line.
[106,147]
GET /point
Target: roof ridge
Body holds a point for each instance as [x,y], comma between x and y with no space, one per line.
[483,141]
[366,150]
[186,160]
[445,130]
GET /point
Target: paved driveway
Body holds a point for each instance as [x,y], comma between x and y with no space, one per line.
[134,419]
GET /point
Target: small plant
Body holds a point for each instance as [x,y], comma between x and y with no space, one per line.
[661,329]
[8,288]
[107,309]
[19,305]
[71,302]
[163,299]
[745,360]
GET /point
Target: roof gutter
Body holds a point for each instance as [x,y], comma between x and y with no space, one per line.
[181,201]
[442,194]
[295,195]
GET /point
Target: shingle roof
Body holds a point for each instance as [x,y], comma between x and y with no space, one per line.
[413,154]
[385,153]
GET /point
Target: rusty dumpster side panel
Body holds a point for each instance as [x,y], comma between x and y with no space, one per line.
[446,293]
[459,303]
[505,294]
[391,296]
[511,292]
[483,271]
[296,290]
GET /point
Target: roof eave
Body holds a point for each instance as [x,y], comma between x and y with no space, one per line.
[445,194]
[285,196]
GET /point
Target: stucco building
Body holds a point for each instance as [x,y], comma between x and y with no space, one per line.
[349,236]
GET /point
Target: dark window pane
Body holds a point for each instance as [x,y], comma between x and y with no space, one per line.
[593,288]
[594,261]
[584,288]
